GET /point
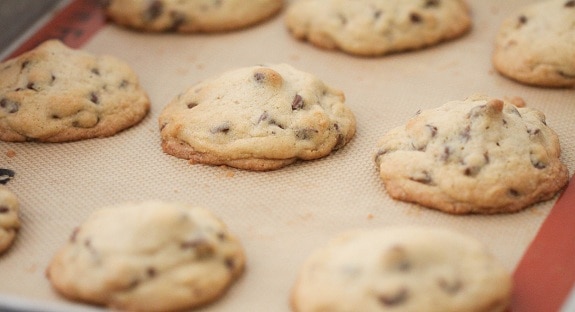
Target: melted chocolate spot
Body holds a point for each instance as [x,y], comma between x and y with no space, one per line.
[297,102]
[415,18]
[395,299]
[9,106]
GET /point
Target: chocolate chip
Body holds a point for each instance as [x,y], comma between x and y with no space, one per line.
[297,102]
[178,19]
[123,84]
[25,64]
[424,178]
[6,175]
[377,14]
[9,106]
[259,77]
[513,192]
[450,287]
[201,247]
[431,3]
[31,86]
[570,4]
[263,117]
[538,164]
[433,130]
[446,153]
[533,132]
[154,10]
[53,78]
[4,209]
[95,71]
[222,236]
[223,128]
[522,20]
[151,272]
[395,299]
[273,122]
[134,284]
[192,104]
[305,134]
[415,18]
[94,98]
[565,75]
[230,263]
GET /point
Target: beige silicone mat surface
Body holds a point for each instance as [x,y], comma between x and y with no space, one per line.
[280,216]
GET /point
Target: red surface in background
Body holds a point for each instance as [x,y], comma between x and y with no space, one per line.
[74,25]
[546,273]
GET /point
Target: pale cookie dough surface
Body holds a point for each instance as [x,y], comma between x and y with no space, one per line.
[190,16]
[257,118]
[148,256]
[402,269]
[479,155]
[377,27]
[56,94]
[9,218]
[536,45]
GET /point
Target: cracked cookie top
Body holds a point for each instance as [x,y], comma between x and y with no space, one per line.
[257,118]
[480,155]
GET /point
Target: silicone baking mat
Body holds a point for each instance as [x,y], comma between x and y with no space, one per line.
[280,216]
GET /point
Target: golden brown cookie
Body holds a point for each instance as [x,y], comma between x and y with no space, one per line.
[257,118]
[56,94]
[148,256]
[190,16]
[480,155]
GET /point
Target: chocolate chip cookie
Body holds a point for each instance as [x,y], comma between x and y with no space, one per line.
[377,27]
[190,16]
[9,218]
[257,118]
[402,269]
[56,94]
[480,155]
[148,256]
[536,45]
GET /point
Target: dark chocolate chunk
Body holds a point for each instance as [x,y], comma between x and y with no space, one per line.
[9,106]
[522,20]
[433,130]
[259,77]
[95,71]
[223,128]
[6,175]
[123,84]
[178,19]
[4,209]
[230,263]
[94,98]
[154,10]
[192,104]
[424,179]
[395,299]
[570,4]
[415,18]
[513,192]
[297,102]
[151,272]
[377,14]
[305,134]
[431,3]
[31,86]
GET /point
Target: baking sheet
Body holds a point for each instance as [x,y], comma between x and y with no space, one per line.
[280,216]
